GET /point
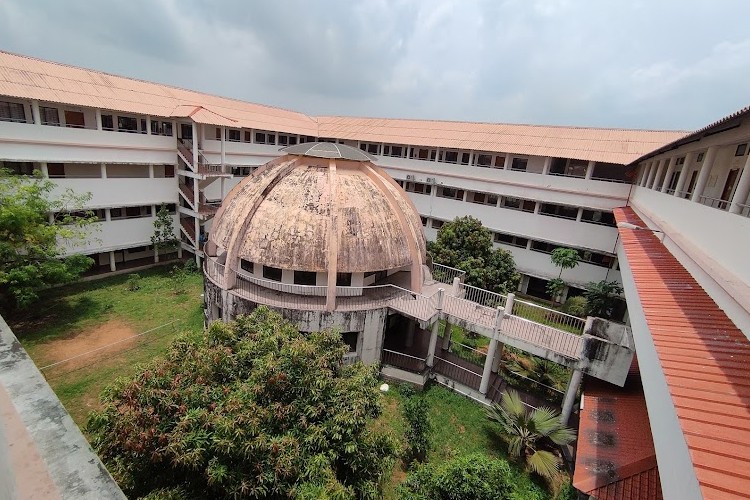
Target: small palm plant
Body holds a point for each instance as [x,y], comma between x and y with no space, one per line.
[531,433]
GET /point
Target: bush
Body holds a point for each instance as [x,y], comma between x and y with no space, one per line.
[474,476]
[134,282]
[416,413]
[577,306]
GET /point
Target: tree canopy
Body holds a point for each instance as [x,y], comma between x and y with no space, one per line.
[31,255]
[602,298]
[252,409]
[163,237]
[465,244]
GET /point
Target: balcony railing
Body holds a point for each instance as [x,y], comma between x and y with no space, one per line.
[483,297]
[549,317]
[458,373]
[446,274]
[403,361]
[714,202]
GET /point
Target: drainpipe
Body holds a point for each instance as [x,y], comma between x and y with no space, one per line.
[430,361]
[570,396]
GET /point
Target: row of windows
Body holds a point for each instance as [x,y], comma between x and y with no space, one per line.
[263,137]
[89,170]
[118,213]
[308,278]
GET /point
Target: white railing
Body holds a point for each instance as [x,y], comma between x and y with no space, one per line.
[548,317]
[289,288]
[567,344]
[214,270]
[482,296]
[472,312]
[468,353]
[714,202]
[446,274]
[458,373]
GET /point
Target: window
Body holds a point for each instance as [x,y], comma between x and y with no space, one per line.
[287,140]
[499,162]
[140,249]
[613,172]
[303,278]
[424,221]
[248,136]
[519,164]
[741,150]
[49,116]
[142,130]
[233,135]
[350,339]
[562,211]
[509,239]
[115,213]
[370,147]
[242,171]
[56,170]
[449,156]
[437,224]
[599,217]
[75,119]
[418,187]
[127,124]
[12,112]
[343,279]
[107,122]
[465,158]
[19,167]
[483,160]
[246,265]
[597,259]
[517,204]
[395,151]
[260,138]
[157,127]
[143,211]
[270,138]
[680,161]
[700,158]
[421,153]
[272,273]
[400,182]
[568,167]
[448,192]
[482,198]
[217,135]
[543,246]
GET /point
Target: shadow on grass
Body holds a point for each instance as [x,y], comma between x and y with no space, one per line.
[34,324]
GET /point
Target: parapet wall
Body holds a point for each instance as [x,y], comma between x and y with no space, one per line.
[43,454]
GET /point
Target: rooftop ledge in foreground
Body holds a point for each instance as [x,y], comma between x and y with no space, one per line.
[43,454]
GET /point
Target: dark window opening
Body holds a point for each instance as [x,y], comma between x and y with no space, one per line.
[304,278]
[562,211]
[350,339]
[519,164]
[343,279]
[272,273]
[127,124]
[484,160]
[246,265]
[49,116]
[12,112]
[107,122]
[599,217]
[741,150]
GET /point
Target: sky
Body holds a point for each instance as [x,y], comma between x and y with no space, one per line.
[653,64]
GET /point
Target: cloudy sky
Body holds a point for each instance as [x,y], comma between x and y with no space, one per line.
[614,63]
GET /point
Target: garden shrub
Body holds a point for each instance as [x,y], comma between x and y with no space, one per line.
[134,282]
[416,413]
[577,306]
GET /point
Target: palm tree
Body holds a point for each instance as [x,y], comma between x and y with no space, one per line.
[530,433]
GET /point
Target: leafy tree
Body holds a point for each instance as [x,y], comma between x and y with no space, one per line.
[474,476]
[564,258]
[416,414]
[163,237]
[531,433]
[602,298]
[252,408]
[577,306]
[555,287]
[539,370]
[31,244]
[465,244]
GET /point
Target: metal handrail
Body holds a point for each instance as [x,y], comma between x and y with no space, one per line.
[416,358]
[714,202]
[548,315]
[478,375]
[484,297]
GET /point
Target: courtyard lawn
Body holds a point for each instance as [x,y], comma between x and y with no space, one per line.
[459,427]
[76,319]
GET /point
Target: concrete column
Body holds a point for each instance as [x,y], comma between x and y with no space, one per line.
[659,172]
[103,168]
[742,191]
[430,361]
[705,172]
[570,396]
[590,169]
[35,113]
[489,361]
[682,179]
[150,170]
[107,215]
[456,290]
[498,358]
[112,264]
[509,303]
[537,206]
[195,148]
[43,169]
[668,175]
[148,125]
[98,119]
[644,175]
[409,341]
[447,336]
[547,165]
[223,151]
[652,173]
[508,161]
[579,215]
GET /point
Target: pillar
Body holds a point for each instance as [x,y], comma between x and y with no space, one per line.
[668,175]
[43,169]
[742,191]
[112,264]
[508,161]
[547,164]
[489,360]
[456,290]
[409,341]
[510,300]
[148,125]
[35,113]
[652,174]
[103,168]
[430,361]
[590,169]
[195,148]
[659,172]
[223,151]
[150,170]
[570,396]
[107,215]
[579,215]
[683,175]
[98,119]
[644,176]
[705,172]
[498,358]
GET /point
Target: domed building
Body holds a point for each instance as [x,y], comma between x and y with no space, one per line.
[322,235]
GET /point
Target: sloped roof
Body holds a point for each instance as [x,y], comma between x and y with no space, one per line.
[704,357]
[615,456]
[30,78]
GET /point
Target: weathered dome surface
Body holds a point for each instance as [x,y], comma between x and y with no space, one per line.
[309,212]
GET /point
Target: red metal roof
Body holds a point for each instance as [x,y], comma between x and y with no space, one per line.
[615,457]
[704,357]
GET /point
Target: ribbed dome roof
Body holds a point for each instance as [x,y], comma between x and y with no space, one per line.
[306,213]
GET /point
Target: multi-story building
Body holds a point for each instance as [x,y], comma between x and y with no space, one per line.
[665,213]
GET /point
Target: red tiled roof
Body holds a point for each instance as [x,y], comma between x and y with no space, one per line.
[704,357]
[615,457]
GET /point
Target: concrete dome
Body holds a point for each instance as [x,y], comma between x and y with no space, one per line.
[320,211]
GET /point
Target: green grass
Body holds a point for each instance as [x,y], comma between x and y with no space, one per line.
[459,426]
[63,313]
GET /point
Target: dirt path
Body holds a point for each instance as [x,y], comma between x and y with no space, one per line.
[87,340]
